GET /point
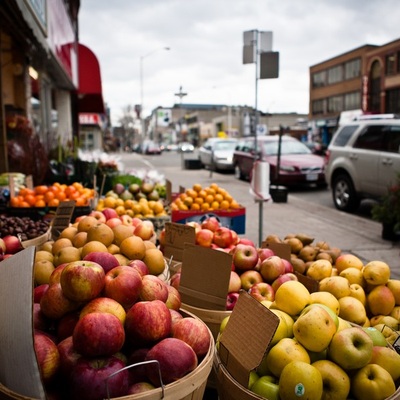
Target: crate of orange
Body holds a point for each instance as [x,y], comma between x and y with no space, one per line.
[198,203]
[46,198]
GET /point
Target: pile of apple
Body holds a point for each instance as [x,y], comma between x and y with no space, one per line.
[316,354]
[100,305]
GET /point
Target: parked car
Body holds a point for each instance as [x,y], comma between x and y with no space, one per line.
[185,147]
[150,147]
[217,154]
[298,166]
[363,160]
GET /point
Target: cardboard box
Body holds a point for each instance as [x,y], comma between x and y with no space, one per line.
[232,219]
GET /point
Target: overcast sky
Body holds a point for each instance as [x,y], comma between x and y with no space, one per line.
[205,38]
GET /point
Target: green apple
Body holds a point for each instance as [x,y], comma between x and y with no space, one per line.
[351,348]
[378,338]
[265,388]
[292,297]
[372,382]
[326,298]
[253,377]
[300,380]
[335,379]
[314,328]
[388,359]
[352,310]
[285,351]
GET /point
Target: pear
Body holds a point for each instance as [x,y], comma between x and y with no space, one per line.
[304,238]
[308,253]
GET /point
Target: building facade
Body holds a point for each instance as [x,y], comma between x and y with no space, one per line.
[365,80]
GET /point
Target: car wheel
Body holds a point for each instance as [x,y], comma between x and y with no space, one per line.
[344,195]
[238,173]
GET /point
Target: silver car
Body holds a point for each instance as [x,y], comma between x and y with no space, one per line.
[363,160]
[217,154]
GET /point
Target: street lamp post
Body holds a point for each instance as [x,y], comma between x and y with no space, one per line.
[141,84]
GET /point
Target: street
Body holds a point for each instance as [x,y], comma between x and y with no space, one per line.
[307,211]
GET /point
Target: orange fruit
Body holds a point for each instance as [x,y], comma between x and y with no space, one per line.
[15,201]
[40,189]
[31,199]
[205,207]
[48,196]
[224,205]
[215,205]
[197,187]
[199,200]
[54,202]
[195,207]
[61,195]
[202,193]
[218,197]
[209,198]
[40,203]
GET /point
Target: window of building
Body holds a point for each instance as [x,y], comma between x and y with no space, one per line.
[352,101]
[335,74]
[352,69]
[335,104]
[393,101]
[390,64]
[318,106]
[398,61]
[319,79]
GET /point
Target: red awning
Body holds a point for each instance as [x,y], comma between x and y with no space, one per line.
[90,96]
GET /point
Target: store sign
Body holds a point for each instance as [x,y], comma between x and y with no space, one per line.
[365,93]
[89,119]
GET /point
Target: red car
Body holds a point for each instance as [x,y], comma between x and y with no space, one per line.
[298,166]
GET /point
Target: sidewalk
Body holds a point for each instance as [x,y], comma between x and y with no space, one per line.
[351,233]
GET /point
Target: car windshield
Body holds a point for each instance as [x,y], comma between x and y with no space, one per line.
[225,145]
[287,147]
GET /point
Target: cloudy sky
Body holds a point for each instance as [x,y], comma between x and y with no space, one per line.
[205,38]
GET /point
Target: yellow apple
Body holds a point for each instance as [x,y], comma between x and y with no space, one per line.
[42,270]
[319,269]
[348,261]
[352,310]
[337,285]
[386,320]
[300,380]
[376,273]
[394,286]
[282,329]
[285,351]
[353,275]
[66,255]
[387,358]
[343,324]
[395,313]
[44,255]
[358,292]
[292,297]
[380,300]
[326,298]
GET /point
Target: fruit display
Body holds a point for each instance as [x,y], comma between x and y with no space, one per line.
[318,354]
[51,195]
[199,198]
[102,303]
[24,227]
[138,200]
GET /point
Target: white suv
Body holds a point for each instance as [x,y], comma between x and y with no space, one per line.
[363,160]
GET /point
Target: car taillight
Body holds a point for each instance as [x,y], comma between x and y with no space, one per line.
[327,155]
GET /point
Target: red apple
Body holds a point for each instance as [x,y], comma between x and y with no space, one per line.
[175,357]
[262,291]
[175,316]
[110,213]
[223,237]
[235,283]
[204,237]
[265,252]
[288,266]
[140,387]
[56,274]
[47,355]
[140,266]
[12,243]
[98,334]
[38,292]
[161,237]
[54,304]
[245,257]
[66,325]
[82,280]
[144,230]
[231,300]
[175,280]
[104,304]
[113,222]
[271,268]
[89,376]
[106,260]
[196,225]
[211,223]
[246,241]
[195,333]
[123,284]
[153,288]
[68,356]
[235,238]
[289,276]
[98,215]
[174,298]
[249,278]
[2,246]
[126,219]
[147,322]
[137,373]
[40,321]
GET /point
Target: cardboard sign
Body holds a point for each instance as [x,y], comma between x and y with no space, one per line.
[205,275]
[246,337]
[19,370]
[176,235]
[280,249]
[62,218]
